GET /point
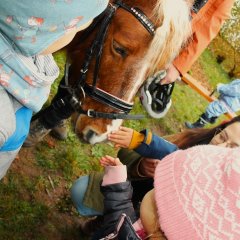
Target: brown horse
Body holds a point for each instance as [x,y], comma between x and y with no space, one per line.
[137,37]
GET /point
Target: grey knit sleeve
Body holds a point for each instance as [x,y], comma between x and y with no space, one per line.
[7,116]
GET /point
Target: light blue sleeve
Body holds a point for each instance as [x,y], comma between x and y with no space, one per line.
[232,89]
[7,116]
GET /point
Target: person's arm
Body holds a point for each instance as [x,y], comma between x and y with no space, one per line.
[7,117]
[154,146]
[145,143]
[117,192]
[205,26]
[232,89]
[132,160]
[117,200]
[138,167]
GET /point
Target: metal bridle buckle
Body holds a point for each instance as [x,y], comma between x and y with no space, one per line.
[75,102]
[83,94]
[89,113]
[84,70]
[112,6]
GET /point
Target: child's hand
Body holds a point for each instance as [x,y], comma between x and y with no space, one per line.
[122,137]
[109,161]
[147,166]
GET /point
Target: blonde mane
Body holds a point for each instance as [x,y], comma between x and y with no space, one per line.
[170,36]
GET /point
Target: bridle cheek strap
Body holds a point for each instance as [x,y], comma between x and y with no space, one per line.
[96,50]
[108,99]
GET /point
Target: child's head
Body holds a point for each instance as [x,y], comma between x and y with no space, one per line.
[149,217]
[228,136]
[196,195]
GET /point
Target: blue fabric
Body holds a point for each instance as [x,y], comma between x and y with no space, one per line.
[158,147]
[231,89]
[28,27]
[18,79]
[31,26]
[229,99]
[78,191]
[23,118]
[216,109]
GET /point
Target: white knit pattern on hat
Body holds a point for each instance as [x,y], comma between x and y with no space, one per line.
[198,194]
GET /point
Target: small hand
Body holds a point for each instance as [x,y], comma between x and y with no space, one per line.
[122,137]
[147,166]
[109,161]
[172,75]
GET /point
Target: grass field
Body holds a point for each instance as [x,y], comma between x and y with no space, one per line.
[34,202]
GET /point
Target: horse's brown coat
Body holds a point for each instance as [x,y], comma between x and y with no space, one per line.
[117,73]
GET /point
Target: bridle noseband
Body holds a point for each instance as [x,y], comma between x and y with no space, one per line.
[81,86]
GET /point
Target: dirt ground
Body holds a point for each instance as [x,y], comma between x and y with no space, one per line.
[62,221]
[63,218]
[197,73]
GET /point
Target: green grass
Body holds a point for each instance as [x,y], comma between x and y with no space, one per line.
[214,74]
[24,215]
[19,216]
[187,105]
[220,47]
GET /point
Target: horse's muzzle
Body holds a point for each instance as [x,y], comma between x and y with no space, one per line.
[89,135]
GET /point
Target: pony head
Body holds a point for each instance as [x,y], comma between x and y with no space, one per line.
[130,54]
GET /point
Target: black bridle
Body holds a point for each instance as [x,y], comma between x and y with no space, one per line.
[81,88]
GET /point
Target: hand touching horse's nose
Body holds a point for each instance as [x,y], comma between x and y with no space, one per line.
[122,137]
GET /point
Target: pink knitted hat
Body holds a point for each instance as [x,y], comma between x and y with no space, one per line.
[197,193]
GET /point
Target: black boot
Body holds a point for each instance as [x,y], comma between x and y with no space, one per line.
[201,122]
[212,120]
[52,118]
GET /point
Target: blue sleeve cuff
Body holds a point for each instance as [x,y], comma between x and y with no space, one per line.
[23,118]
[147,136]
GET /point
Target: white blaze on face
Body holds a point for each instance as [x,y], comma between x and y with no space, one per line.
[139,78]
[115,124]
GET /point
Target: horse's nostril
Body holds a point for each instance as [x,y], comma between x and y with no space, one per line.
[90,133]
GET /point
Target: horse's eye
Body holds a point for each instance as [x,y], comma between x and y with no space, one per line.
[119,49]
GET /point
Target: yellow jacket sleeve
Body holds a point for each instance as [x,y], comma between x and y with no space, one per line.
[139,138]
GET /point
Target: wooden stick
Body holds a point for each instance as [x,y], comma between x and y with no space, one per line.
[51,182]
[196,85]
[48,193]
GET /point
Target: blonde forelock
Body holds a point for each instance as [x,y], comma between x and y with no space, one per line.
[170,36]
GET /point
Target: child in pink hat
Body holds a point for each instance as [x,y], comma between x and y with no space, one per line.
[196,195]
